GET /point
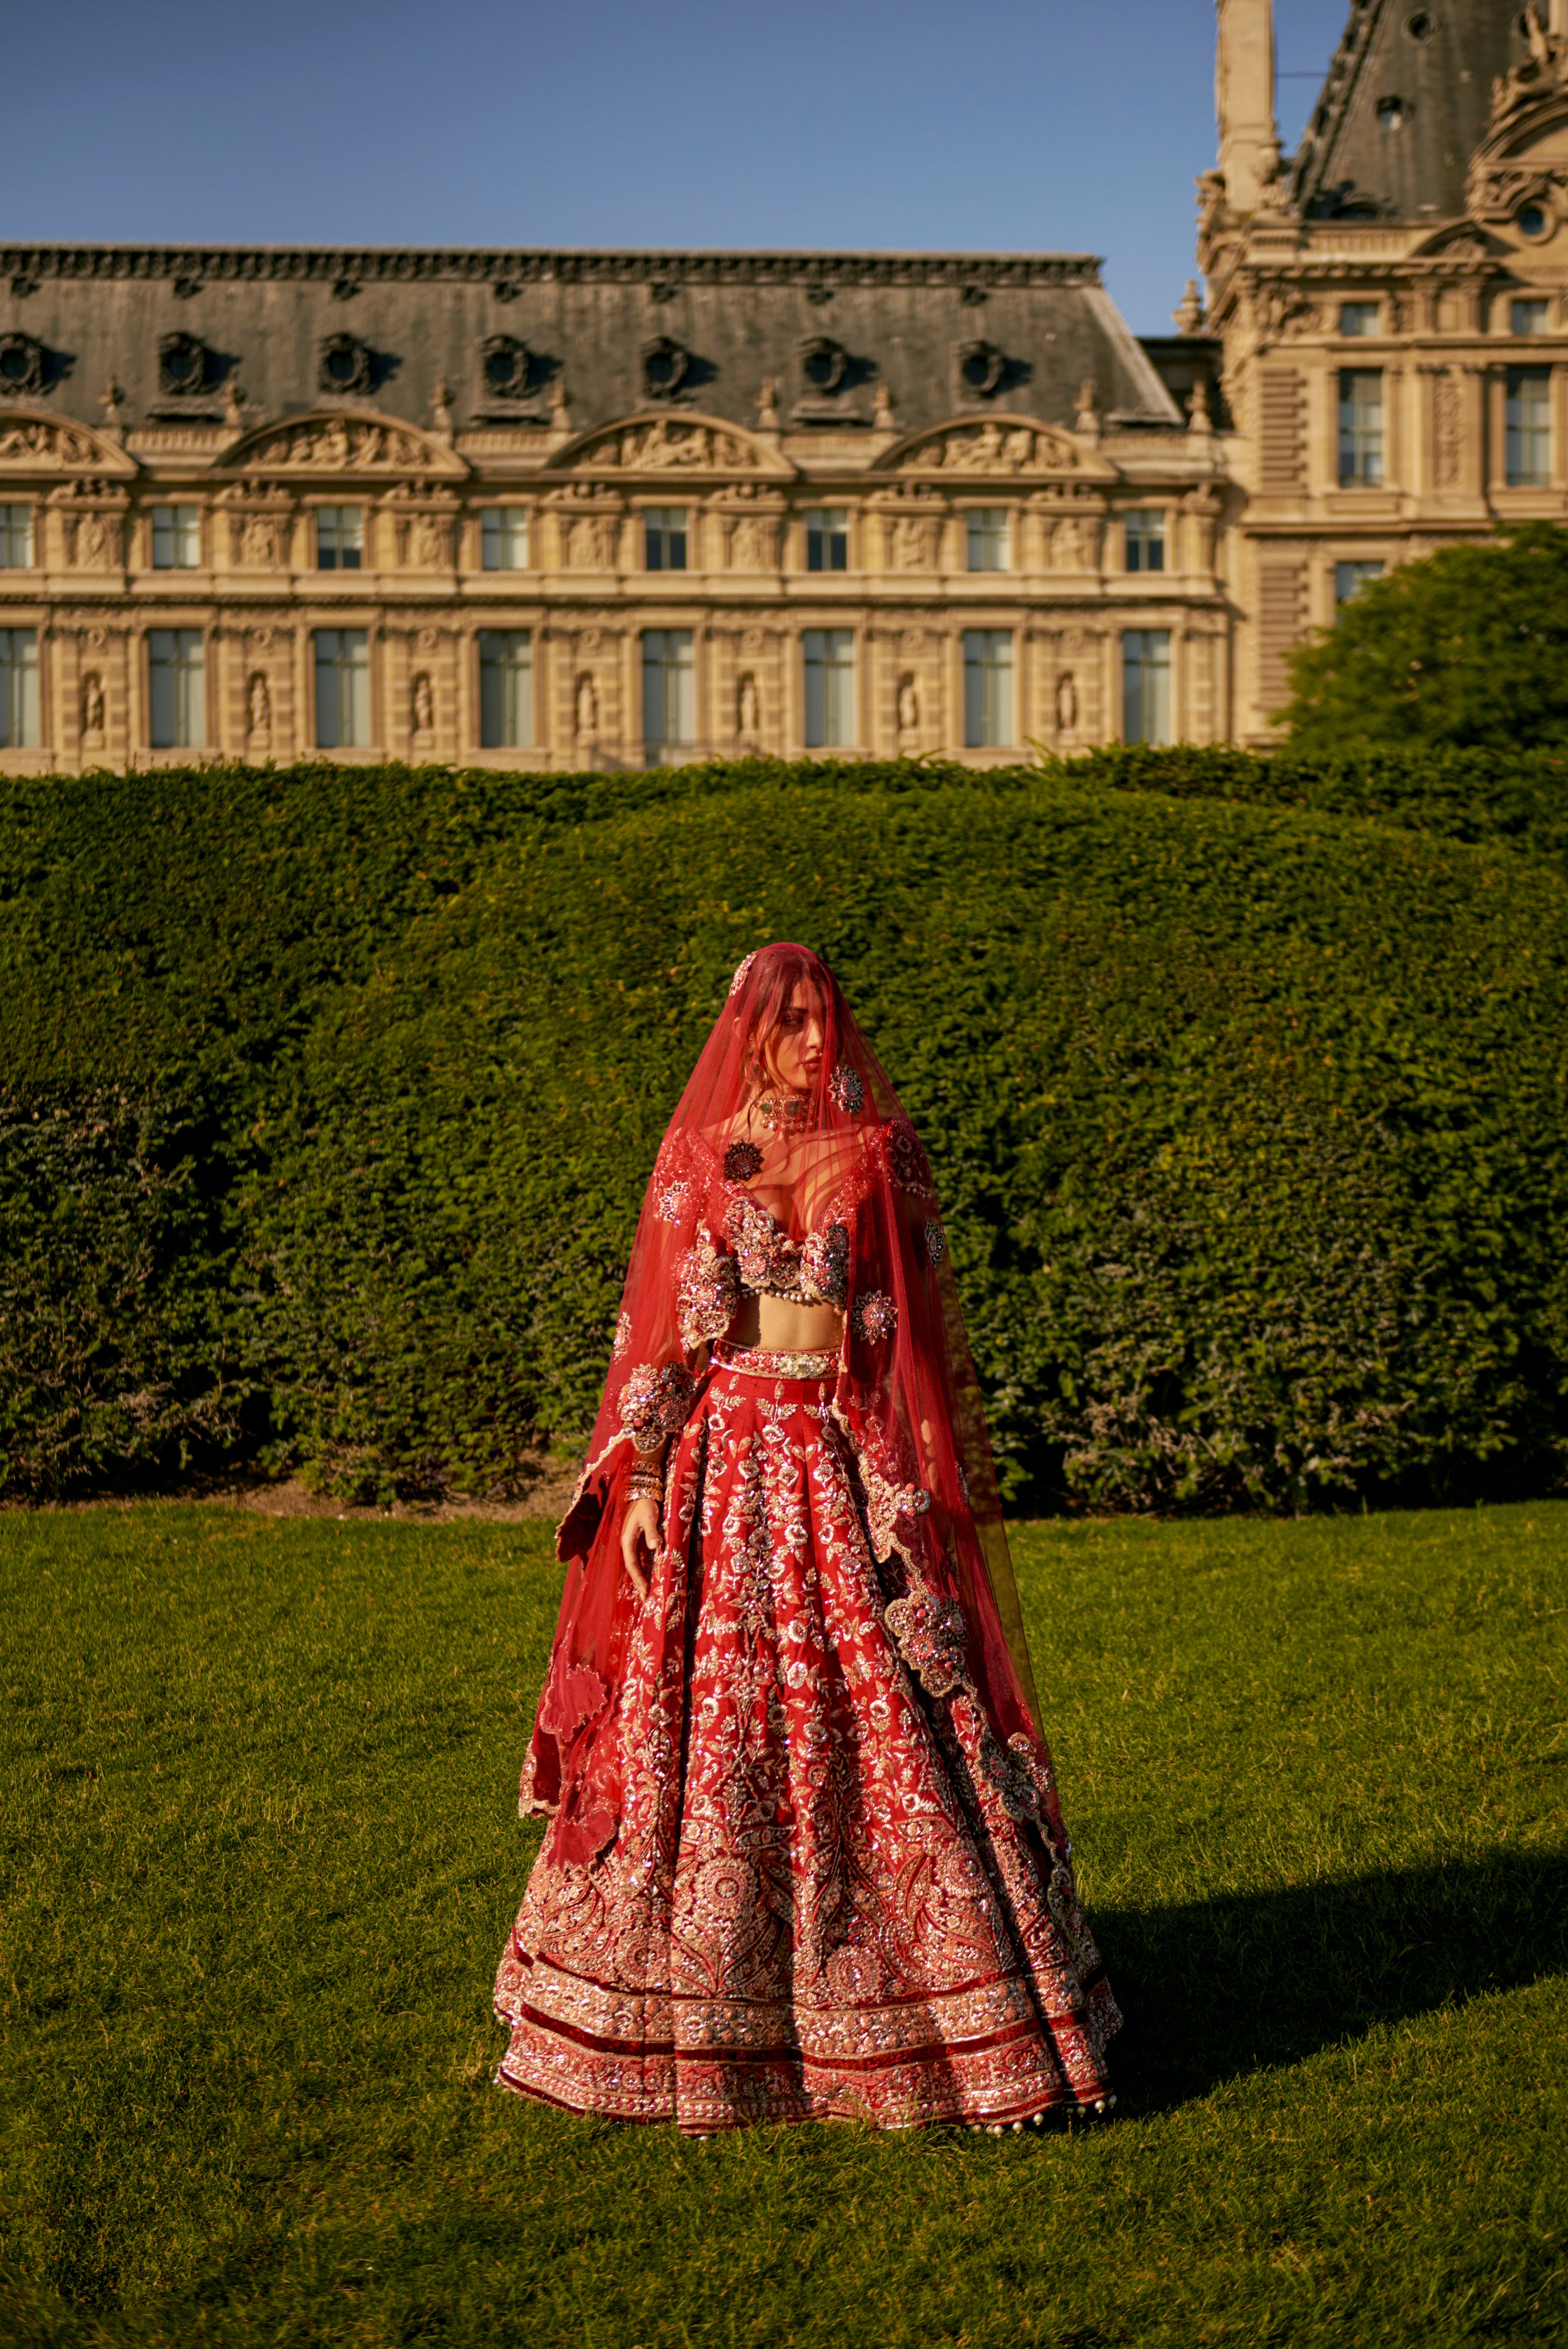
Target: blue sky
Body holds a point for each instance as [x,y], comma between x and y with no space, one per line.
[1051,126]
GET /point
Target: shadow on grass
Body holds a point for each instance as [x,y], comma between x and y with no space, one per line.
[1219,1988]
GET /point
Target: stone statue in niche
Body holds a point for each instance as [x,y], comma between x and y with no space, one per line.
[908,709]
[748,710]
[913,543]
[92,709]
[591,543]
[1067,546]
[93,542]
[429,543]
[1066,703]
[587,709]
[259,543]
[258,704]
[746,545]
[423,704]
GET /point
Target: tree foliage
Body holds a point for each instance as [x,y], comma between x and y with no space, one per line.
[1467,647]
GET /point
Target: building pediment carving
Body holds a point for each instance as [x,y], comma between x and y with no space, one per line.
[333,442]
[1521,168]
[34,442]
[671,444]
[1005,446]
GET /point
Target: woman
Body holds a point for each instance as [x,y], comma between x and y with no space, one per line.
[805,1859]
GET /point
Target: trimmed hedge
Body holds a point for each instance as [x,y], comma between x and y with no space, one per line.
[328,1099]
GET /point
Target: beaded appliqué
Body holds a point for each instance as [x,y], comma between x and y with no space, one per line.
[846,1089]
[755,1363]
[908,1161]
[655,1402]
[825,1266]
[743,971]
[707,1292]
[935,1241]
[931,1634]
[873,1317]
[669,1199]
[742,1162]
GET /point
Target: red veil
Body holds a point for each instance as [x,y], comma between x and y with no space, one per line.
[829,1193]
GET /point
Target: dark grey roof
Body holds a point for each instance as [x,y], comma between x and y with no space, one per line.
[718,324]
[1403,109]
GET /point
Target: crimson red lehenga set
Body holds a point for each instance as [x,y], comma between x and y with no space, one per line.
[805,1857]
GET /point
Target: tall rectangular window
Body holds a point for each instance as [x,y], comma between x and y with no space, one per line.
[987,536]
[665,538]
[177,689]
[1359,318]
[1527,318]
[16,538]
[669,691]
[504,538]
[341,688]
[1350,578]
[1146,685]
[1360,427]
[339,538]
[827,538]
[1145,537]
[506,689]
[176,538]
[18,688]
[1529,450]
[987,688]
[830,688]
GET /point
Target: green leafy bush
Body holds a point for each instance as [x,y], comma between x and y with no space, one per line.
[1249,1118]
[1466,647]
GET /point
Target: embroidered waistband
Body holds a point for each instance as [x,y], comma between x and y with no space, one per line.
[756,1363]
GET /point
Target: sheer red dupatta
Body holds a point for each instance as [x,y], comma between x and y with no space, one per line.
[829,1195]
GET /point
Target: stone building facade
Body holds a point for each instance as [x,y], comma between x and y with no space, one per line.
[593,509]
[1391,304]
[609,509]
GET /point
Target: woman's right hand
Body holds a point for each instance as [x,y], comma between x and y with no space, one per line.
[639,1529]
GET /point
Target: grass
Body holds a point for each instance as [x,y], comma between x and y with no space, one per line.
[261,1854]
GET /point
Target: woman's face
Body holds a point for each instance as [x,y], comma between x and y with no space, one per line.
[795,1047]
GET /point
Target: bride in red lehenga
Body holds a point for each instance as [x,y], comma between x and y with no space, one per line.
[806,1859]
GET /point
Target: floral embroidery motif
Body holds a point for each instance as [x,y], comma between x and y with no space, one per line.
[669,1199]
[655,1403]
[743,970]
[825,1266]
[931,1639]
[814,1901]
[907,1159]
[770,1261]
[742,1160]
[707,1292]
[847,1090]
[935,1241]
[874,1315]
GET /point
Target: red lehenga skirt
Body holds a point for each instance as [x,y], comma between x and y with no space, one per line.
[816,1906]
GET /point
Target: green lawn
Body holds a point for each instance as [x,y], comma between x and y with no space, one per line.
[261,1851]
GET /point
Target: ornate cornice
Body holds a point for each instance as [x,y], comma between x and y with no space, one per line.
[346,267]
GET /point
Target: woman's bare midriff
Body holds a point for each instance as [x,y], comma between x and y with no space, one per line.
[783,1327]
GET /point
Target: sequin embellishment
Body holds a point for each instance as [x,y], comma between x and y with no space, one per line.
[935,1241]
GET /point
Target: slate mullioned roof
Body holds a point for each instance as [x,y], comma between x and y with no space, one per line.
[588,320]
[1403,108]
